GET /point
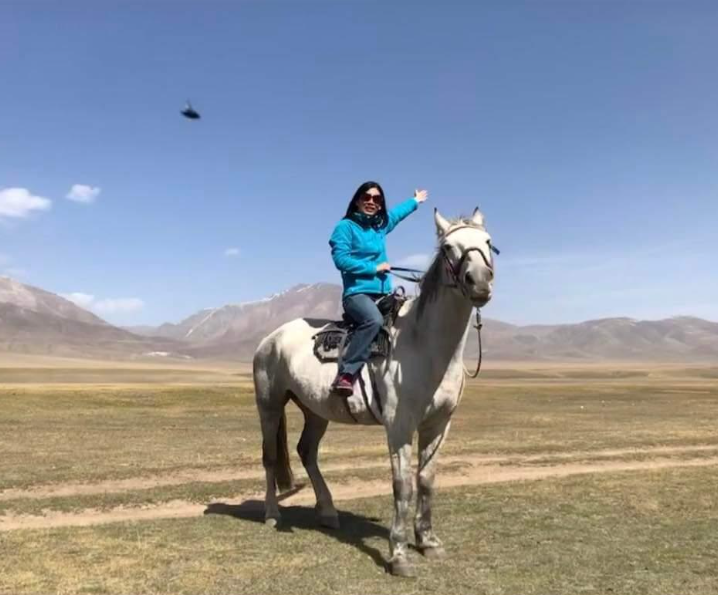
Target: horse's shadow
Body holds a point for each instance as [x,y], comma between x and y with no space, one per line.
[354,529]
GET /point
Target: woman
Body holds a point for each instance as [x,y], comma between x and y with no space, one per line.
[359,252]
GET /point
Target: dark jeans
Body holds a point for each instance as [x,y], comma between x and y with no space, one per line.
[363,311]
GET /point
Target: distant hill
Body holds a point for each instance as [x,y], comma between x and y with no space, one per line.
[33,299]
[235,330]
[36,321]
[681,339]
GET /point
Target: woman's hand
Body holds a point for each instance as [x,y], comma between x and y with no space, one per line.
[421,195]
[383,267]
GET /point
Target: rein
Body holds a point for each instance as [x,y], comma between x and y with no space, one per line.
[455,271]
[477,326]
[416,278]
[416,275]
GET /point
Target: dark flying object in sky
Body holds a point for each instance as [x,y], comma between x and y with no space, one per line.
[189,112]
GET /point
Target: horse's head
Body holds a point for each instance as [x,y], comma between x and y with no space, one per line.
[466,249]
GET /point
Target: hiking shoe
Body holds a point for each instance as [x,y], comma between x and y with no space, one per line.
[344,385]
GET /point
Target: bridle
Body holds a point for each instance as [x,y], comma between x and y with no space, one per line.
[455,269]
[455,273]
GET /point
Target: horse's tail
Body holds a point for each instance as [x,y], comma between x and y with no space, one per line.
[283,469]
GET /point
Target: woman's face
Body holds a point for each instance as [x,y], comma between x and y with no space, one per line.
[369,203]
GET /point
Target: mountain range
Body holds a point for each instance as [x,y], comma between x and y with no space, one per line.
[35,321]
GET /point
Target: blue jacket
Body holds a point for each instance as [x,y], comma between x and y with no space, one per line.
[358,247]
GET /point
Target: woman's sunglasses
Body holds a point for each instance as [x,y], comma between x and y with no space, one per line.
[375,198]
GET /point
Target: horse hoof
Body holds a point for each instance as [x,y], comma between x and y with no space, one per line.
[329,521]
[402,568]
[433,553]
[271,522]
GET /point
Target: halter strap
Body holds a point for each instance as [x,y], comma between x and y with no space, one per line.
[455,271]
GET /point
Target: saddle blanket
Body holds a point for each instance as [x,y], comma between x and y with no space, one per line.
[331,342]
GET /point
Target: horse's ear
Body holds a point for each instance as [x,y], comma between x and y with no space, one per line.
[442,225]
[477,218]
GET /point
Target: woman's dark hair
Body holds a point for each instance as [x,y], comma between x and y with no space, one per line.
[361,191]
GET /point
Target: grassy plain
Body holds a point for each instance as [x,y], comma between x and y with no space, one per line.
[557,479]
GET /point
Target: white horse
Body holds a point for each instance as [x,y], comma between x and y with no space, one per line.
[415,389]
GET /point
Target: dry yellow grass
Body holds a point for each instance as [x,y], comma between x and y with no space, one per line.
[133,441]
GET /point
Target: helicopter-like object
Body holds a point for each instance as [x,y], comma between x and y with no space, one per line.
[189,112]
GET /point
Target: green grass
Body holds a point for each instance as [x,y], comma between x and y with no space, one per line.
[623,533]
[34,376]
[191,491]
[92,433]
[627,533]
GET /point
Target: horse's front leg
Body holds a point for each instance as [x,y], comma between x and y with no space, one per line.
[430,440]
[400,451]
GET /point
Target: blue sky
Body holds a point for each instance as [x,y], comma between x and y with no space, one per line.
[586,131]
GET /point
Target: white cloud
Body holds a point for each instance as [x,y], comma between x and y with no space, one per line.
[231,252]
[106,305]
[84,300]
[414,261]
[116,305]
[19,203]
[84,194]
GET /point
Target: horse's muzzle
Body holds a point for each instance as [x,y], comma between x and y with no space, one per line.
[480,297]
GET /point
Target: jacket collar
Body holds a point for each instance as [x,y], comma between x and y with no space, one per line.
[366,221]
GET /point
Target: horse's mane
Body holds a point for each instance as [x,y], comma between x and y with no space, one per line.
[431,281]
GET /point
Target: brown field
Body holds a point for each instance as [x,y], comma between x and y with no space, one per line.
[556,478]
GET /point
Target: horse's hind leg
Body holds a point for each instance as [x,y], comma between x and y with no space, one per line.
[275,456]
[308,449]
[430,440]
[272,422]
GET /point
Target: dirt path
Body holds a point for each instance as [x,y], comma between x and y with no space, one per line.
[475,471]
[222,475]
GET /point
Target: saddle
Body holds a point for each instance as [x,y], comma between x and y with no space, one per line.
[330,342]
